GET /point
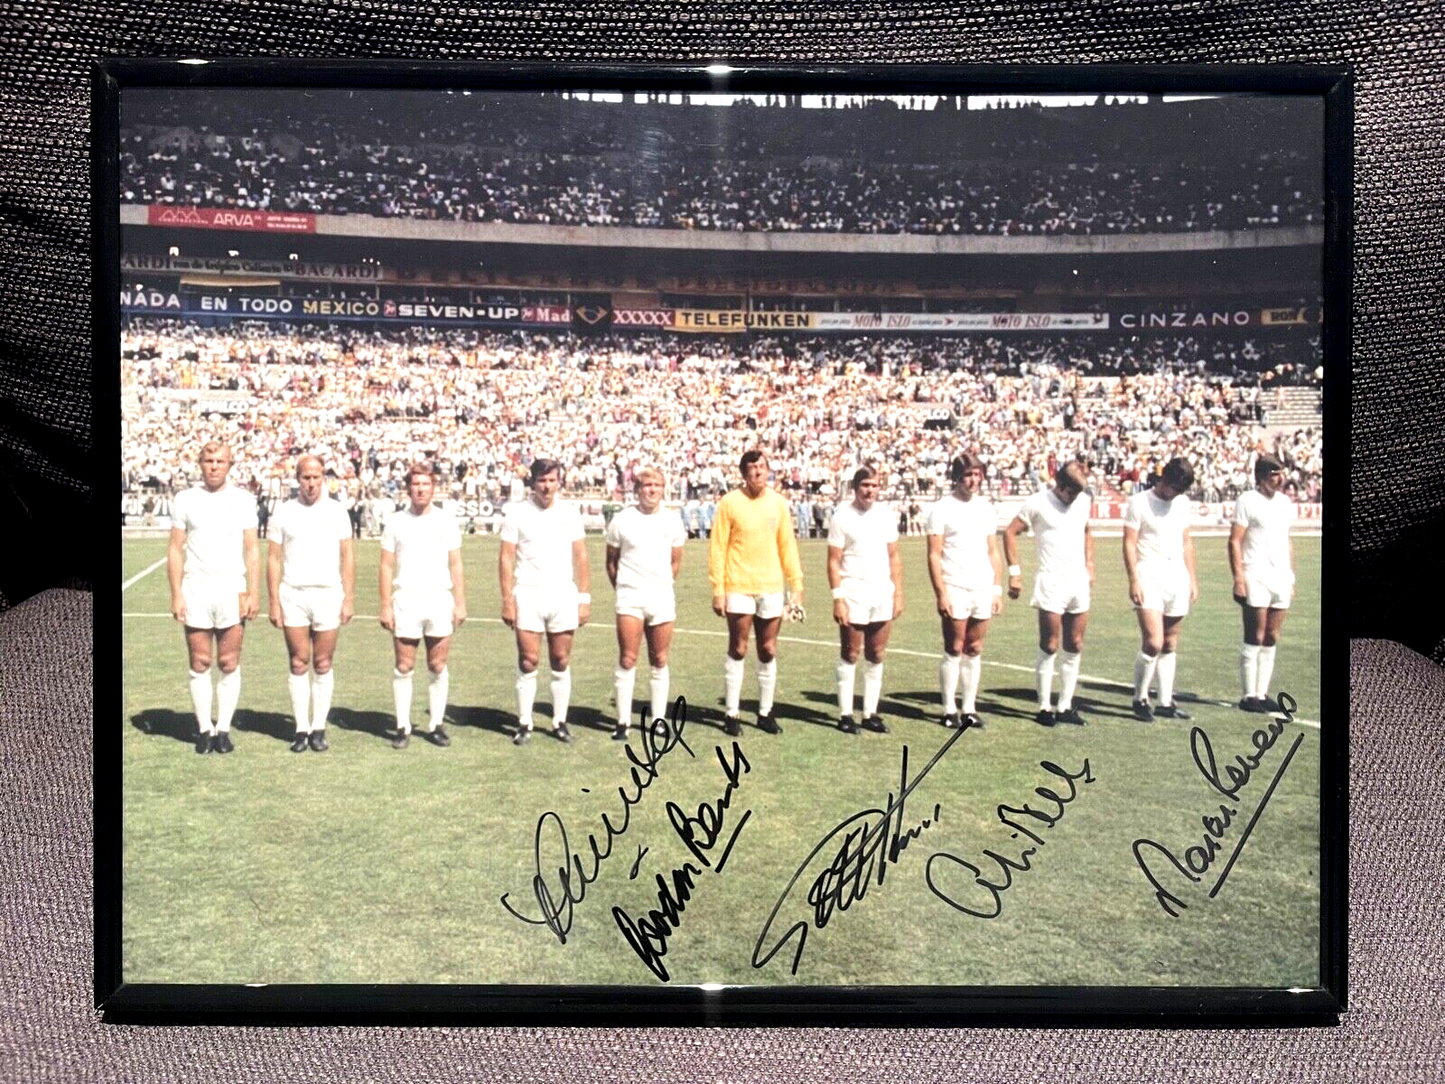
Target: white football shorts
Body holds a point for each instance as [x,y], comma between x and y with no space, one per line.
[1061,596]
[1166,591]
[546,609]
[657,607]
[211,602]
[1268,590]
[868,604]
[974,603]
[423,614]
[764,607]
[316,607]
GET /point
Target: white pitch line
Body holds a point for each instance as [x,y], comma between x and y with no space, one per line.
[142,574]
[1313,723]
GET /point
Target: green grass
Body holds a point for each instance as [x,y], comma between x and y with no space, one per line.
[368,864]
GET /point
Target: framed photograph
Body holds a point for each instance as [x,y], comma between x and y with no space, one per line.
[717,544]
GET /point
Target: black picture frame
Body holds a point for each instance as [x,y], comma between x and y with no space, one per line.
[644,1004]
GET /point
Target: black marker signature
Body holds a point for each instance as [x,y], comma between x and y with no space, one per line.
[1007,867]
[572,877]
[1199,858]
[862,860]
[648,935]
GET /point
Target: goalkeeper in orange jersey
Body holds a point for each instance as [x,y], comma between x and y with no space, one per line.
[752,554]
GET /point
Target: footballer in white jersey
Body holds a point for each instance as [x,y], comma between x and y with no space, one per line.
[1059,518]
[311,581]
[866,575]
[1261,560]
[213,564]
[966,571]
[423,598]
[542,566]
[644,553]
[1159,561]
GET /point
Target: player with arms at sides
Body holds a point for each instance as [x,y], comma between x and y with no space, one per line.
[311,582]
[1059,518]
[866,575]
[966,571]
[644,553]
[544,579]
[1159,560]
[213,563]
[751,552]
[423,598]
[1260,559]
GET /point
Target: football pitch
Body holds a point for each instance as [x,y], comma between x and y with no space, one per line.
[367,864]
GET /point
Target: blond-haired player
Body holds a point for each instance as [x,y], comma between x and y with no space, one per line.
[213,563]
[644,553]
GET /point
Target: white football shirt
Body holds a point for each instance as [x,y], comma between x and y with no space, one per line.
[864,538]
[646,543]
[422,545]
[543,539]
[1266,522]
[310,537]
[966,527]
[1058,533]
[1161,526]
[213,522]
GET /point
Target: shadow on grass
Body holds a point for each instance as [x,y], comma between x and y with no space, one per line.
[270,723]
[990,704]
[164,723]
[493,720]
[375,723]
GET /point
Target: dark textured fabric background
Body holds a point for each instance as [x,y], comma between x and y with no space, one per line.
[1394,1029]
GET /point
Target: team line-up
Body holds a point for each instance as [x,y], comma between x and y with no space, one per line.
[213,566]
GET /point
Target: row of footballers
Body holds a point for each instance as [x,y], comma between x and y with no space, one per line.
[213,565]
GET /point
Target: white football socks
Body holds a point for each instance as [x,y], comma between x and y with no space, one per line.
[732,684]
[1167,662]
[1044,678]
[1266,671]
[321,686]
[1249,670]
[228,694]
[1144,667]
[1068,679]
[968,678]
[767,686]
[948,674]
[200,686]
[401,699]
[436,697]
[622,685]
[658,682]
[526,697]
[561,687]
[846,673]
[299,686]
[872,687]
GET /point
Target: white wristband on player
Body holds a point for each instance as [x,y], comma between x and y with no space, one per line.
[997,590]
[583,598]
[838,592]
[1014,570]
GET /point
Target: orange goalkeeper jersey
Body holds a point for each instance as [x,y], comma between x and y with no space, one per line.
[752,549]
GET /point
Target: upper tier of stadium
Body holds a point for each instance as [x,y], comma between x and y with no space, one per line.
[769,167]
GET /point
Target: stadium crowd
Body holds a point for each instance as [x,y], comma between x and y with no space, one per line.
[325,175]
[484,404]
